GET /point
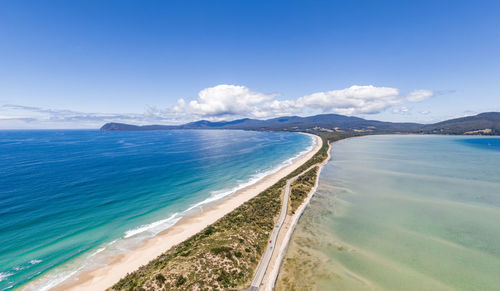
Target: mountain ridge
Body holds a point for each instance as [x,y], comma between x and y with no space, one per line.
[487,123]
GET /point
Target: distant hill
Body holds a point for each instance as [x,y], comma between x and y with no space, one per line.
[114,126]
[484,123]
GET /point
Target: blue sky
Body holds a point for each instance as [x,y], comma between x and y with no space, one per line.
[78,64]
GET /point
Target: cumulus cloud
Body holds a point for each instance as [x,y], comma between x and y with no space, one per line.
[230,101]
[224,102]
[352,100]
[277,108]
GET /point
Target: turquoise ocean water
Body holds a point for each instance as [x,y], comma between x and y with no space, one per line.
[403,213]
[70,200]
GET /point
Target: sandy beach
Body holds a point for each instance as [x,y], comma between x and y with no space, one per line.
[286,233]
[104,277]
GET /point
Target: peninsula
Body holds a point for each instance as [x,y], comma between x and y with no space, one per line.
[487,123]
[218,248]
[228,253]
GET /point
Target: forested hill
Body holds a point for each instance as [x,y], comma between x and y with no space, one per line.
[483,124]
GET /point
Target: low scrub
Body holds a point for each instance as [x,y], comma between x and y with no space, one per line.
[224,255]
[301,187]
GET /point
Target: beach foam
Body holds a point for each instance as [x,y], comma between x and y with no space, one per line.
[132,238]
[218,195]
[154,227]
[104,277]
[4,276]
[161,225]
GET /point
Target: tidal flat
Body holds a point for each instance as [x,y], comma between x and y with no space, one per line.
[401,213]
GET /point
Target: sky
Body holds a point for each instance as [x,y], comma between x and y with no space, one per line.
[80,64]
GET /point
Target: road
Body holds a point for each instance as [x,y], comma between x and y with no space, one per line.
[264,263]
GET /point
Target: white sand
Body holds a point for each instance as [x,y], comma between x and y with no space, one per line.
[105,277]
[287,229]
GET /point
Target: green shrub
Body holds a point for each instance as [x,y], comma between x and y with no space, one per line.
[180,280]
[160,279]
[204,254]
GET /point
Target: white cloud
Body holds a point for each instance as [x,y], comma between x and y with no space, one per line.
[18,116]
[278,108]
[419,95]
[224,100]
[230,101]
[401,110]
[353,100]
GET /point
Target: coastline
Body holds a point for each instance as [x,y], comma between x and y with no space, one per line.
[283,241]
[321,256]
[104,277]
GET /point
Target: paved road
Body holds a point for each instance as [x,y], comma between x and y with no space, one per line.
[261,269]
[264,263]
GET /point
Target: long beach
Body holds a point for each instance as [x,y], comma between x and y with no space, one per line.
[104,277]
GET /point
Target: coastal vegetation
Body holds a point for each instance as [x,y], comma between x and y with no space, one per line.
[225,254]
[365,229]
[301,187]
[222,256]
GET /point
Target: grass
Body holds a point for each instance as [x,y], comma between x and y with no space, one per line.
[225,254]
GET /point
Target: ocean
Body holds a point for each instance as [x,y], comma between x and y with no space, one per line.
[72,199]
[402,213]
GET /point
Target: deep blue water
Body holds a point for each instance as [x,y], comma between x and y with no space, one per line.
[69,199]
[490,143]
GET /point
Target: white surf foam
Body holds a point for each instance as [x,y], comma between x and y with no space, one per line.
[218,195]
[55,278]
[4,276]
[98,251]
[164,224]
[154,227]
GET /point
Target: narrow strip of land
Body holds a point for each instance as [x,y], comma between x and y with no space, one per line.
[266,258]
[239,244]
[268,268]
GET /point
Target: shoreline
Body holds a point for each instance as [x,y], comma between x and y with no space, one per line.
[106,276]
[283,241]
[314,260]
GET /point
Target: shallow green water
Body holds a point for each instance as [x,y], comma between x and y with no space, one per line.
[402,213]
